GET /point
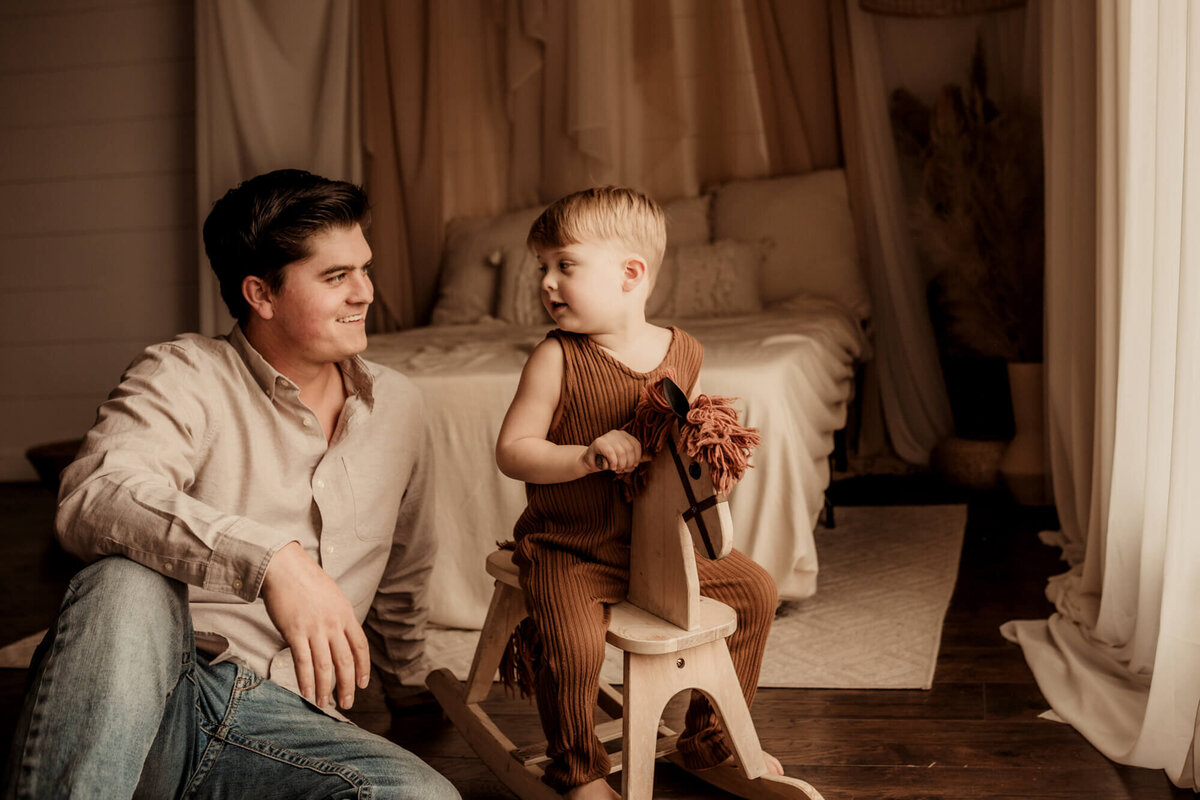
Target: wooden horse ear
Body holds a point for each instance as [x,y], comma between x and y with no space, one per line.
[677,399]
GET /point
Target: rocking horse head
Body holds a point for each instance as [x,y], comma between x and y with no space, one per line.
[698,452]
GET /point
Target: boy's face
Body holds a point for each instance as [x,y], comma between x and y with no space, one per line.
[319,313]
[582,284]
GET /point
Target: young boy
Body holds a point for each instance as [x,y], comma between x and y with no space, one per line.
[599,252]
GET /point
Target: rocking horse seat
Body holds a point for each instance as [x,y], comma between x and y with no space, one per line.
[635,630]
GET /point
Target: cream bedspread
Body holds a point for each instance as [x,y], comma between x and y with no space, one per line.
[791,368]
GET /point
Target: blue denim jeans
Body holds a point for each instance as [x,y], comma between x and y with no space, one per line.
[119,705]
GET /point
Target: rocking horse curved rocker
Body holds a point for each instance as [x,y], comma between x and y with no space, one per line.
[672,638]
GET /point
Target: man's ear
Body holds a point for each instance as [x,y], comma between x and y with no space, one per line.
[258,296]
[634,272]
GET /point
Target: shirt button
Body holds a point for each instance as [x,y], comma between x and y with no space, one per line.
[307,422]
[237,584]
[168,567]
[320,484]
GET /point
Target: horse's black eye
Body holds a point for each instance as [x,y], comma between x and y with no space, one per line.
[694,471]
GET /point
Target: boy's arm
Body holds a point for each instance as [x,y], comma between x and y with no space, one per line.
[522,450]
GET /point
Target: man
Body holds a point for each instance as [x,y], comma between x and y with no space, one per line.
[249,501]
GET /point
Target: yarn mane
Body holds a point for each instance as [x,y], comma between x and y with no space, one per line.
[711,434]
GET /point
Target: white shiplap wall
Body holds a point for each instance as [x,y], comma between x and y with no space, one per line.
[97,205]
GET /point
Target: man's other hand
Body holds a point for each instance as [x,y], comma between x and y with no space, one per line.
[318,623]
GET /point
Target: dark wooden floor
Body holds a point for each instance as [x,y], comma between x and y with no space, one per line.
[976,734]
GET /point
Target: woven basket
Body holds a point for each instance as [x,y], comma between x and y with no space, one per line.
[969,463]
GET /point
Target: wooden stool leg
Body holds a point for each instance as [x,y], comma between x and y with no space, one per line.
[506,610]
[716,677]
[649,684]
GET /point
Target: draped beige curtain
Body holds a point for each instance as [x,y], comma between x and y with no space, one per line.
[905,383]
[1120,660]
[474,107]
[1069,134]
[435,137]
[276,86]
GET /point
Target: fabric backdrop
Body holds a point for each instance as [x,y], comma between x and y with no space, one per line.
[276,86]
[912,393]
[1120,660]
[904,389]
[475,107]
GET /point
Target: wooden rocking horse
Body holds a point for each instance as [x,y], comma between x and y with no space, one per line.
[672,638]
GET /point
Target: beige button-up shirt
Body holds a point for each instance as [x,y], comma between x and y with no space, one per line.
[203,462]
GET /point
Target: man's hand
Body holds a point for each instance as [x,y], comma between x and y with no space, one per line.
[318,623]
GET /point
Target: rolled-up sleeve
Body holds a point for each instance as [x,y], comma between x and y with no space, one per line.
[130,490]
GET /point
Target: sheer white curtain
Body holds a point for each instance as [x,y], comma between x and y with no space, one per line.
[276,86]
[1120,660]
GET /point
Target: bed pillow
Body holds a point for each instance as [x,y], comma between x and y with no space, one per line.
[687,220]
[660,296]
[471,263]
[709,280]
[520,294]
[807,217]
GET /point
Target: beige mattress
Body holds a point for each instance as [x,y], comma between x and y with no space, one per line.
[792,370]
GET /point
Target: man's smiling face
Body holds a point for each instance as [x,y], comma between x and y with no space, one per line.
[319,312]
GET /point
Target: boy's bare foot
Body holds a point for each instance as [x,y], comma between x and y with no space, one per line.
[769,761]
[596,790]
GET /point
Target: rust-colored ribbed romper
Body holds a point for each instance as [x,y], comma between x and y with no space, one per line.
[573,554]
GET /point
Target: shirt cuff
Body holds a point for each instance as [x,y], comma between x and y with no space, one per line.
[240,559]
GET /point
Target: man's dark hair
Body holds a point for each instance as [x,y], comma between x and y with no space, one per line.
[265,223]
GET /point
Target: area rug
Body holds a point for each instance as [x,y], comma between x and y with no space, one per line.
[887,573]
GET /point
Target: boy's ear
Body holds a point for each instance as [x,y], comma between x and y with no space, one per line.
[634,272]
[258,296]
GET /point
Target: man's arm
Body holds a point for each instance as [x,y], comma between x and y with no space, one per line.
[395,623]
[127,491]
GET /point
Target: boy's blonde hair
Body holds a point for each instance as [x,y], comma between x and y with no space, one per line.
[604,212]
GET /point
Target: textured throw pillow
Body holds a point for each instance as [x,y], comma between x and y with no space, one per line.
[808,219]
[520,293]
[475,251]
[710,280]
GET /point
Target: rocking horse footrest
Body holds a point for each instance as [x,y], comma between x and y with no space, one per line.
[637,631]
[535,754]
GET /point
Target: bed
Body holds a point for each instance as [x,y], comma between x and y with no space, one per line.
[764,273]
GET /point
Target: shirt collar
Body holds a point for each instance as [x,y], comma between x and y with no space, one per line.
[355,373]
